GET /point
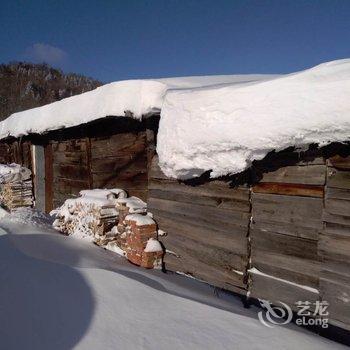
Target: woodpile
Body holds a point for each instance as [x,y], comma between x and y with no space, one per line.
[92,215]
[113,221]
[16,186]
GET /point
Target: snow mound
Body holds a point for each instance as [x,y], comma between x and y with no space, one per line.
[140,220]
[13,172]
[135,204]
[134,98]
[153,246]
[29,216]
[3,213]
[225,128]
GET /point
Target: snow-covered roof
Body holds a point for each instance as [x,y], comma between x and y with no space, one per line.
[217,123]
[223,129]
[140,97]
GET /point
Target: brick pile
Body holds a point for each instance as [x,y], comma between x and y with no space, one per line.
[142,246]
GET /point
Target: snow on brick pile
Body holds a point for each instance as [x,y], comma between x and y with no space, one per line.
[134,98]
[223,129]
[16,186]
[134,205]
[89,216]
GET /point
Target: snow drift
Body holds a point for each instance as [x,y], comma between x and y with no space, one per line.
[223,129]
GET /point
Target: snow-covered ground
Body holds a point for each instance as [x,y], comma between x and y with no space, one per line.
[57,292]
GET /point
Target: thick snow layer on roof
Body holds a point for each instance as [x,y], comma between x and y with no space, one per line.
[140,97]
[223,129]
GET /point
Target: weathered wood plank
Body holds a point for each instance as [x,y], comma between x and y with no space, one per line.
[288,267]
[283,244]
[214,226]
[220,259]
[108,181]
[73,172]
[307,175]
[115,164]
[221,217]
[337,193]
[289,189]
[234,241]
[118,145]
[342,163]
[334,246]
[337,219]
[216,202]
[70,187]
[216,189]
[70,158]
[337,294]
[275,290]
[338,179]
[338,206]
[226,279]
[297,211]
[288,228]
[74,145]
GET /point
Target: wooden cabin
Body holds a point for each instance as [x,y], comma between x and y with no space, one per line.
[106,153]
[279,231]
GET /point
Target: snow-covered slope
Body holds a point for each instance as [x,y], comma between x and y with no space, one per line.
[224,129]
[60,293]
[140,97]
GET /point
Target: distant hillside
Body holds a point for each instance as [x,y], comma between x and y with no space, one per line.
[26,85]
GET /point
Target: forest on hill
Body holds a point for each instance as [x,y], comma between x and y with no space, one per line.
[27,85]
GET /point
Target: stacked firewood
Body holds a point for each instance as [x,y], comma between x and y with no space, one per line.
[92,215]
[16,186]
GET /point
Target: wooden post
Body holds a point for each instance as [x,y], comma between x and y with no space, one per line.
[48,178]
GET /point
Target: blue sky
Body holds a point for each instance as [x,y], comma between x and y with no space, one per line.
[113,40]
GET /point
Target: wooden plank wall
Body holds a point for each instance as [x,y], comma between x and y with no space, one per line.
[206,228]
[70,166]
[16,152]
[334,245]
[117,161]
[121,161]
[287,206]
